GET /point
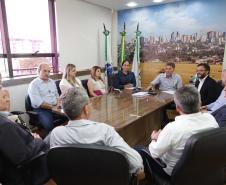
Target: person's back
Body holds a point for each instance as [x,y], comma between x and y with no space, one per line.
[168,144]
[180,130]
[83,131]
[18,146]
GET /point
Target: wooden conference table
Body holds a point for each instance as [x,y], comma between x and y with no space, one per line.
[134,118]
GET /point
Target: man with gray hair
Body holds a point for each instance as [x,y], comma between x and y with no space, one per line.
[44,96]
[80,130]
[168,144]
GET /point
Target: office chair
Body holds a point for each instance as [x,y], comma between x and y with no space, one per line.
[29,110]
[31,172]
[57,82]
[58,120]
[85,85]
[202,161]
[88,165]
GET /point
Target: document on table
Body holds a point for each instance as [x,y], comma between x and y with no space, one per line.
[169,92]
[140,94]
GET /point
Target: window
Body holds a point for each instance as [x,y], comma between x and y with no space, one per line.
[28,36]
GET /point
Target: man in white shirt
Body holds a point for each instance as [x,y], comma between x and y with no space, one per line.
[80,130]
[168,144]
[44,96]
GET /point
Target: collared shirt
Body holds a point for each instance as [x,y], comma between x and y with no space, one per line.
[218,103]
[90,132]
[122,79]
[201,82]
[172,139]
[168,83]
[40,91]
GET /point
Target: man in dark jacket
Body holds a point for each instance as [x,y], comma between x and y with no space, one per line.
[207,87]
[17,147]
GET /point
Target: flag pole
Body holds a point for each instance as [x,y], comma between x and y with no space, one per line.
[123,45]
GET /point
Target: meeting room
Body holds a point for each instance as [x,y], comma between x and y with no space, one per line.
[112,92]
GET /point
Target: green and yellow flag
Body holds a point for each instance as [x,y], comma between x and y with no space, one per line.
[123,45]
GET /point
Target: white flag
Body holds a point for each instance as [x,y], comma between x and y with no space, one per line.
[136,58]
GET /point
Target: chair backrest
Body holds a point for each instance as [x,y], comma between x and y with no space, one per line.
[85,85]
[203,159]
[28,106]
[57,82]
[88,165]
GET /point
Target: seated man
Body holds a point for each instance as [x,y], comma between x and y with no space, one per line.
[81,130]
[221,101]
[207,87]
[220,116]
[17,145]
[168,81]
[168,144]
[125,78]
[44,95]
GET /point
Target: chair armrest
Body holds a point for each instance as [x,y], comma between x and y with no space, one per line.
[28,162]
[33,113]
[17,112]
[157,160]
[160,162]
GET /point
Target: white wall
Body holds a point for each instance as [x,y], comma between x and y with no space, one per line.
[80,37]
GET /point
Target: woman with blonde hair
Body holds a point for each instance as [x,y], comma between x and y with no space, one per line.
[69,79]
[96,84]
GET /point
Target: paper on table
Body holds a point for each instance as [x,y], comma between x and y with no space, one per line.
[169,92]
[140,94]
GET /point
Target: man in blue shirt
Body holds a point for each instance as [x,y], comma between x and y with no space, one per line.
[44,96]
[125,78]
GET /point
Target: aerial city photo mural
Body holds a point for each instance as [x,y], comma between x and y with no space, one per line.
[185,32]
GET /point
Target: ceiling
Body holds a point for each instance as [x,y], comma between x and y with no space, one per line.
[121,4]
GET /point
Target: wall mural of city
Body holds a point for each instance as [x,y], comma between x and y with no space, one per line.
[191,31]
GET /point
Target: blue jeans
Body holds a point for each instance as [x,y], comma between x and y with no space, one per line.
[45,118]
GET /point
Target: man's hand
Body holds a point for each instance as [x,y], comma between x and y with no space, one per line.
[36,136]
[155,134]
[203,108]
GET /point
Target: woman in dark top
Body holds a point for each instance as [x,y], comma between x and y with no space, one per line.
[125,78]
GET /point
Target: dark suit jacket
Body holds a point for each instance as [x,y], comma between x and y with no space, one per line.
[120,79]
[210,91]
[220,116]
[17,146]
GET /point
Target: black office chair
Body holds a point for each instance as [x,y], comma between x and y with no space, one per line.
[85,85]
[202,162]
[58,119]
[57,82]
[31,172]
[33,115]
[88,165]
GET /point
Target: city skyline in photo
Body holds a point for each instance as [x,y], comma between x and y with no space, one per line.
[187,18]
